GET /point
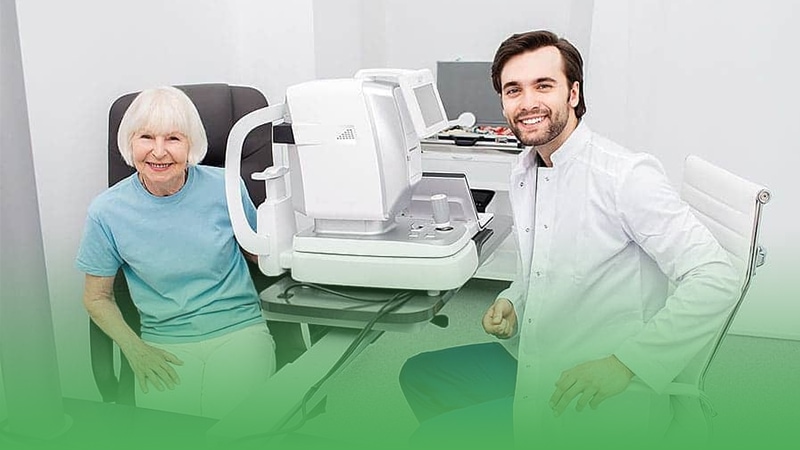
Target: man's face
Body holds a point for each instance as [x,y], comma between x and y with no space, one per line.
[538,101]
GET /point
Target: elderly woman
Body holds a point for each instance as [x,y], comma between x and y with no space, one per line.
[204,344]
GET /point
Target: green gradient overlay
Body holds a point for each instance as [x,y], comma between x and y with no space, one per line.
[106,426]
[370,424]
[369,417]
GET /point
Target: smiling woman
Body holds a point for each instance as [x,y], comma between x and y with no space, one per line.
[160,137]
[204,343]
[160,160]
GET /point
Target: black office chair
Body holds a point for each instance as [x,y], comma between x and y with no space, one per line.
[220,106]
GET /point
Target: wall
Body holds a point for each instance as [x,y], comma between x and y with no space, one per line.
[356,34]
[670,77]
[338,39]
[3,406]
[420,32]
[79,56]
[714,79]
[27,342]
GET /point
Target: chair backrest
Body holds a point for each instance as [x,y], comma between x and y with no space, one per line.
[730,207]
[220,107]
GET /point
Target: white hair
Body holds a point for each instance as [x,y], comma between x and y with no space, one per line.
[163,110]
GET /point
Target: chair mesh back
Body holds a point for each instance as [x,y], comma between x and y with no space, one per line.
[730,207]
[727,205]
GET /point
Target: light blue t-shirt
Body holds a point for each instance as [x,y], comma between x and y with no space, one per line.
[185,271]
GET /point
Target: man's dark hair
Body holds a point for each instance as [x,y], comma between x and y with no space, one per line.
[534,40]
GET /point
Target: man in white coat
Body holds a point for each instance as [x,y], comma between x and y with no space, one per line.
[620,285]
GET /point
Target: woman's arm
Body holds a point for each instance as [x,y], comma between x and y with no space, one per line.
[148,363]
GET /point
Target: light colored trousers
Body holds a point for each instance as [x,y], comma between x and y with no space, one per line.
[216,375]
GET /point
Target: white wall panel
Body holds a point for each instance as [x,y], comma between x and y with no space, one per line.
[80,55]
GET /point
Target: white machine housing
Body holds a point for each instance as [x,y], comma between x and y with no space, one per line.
[357,162]
[355,166]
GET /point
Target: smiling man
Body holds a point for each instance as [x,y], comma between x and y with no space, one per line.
[602,235]
[540,105]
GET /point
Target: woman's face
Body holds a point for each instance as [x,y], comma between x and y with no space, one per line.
[161,160]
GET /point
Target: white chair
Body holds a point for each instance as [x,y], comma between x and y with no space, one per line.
[730,207]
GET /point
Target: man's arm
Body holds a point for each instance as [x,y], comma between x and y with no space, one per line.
[508,308]
[706,284]
[148,363]
[657,219]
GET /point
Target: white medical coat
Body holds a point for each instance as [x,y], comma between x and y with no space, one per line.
[601,234]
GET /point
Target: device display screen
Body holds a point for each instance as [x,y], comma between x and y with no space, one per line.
[428,104]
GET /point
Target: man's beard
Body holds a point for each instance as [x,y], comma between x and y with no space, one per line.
[557,124]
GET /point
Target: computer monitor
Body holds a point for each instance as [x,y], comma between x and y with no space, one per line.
[466,86]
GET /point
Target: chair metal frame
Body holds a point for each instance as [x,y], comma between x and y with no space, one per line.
[757,258]
[754,259]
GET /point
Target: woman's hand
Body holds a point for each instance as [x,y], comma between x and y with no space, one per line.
[153,365]
[148,363]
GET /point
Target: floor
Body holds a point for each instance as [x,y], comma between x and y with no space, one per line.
[754,383]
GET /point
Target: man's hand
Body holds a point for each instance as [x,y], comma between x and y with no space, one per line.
[153,365]
[500,319]
[594,381]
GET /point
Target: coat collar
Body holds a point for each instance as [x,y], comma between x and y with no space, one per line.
[572,147]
